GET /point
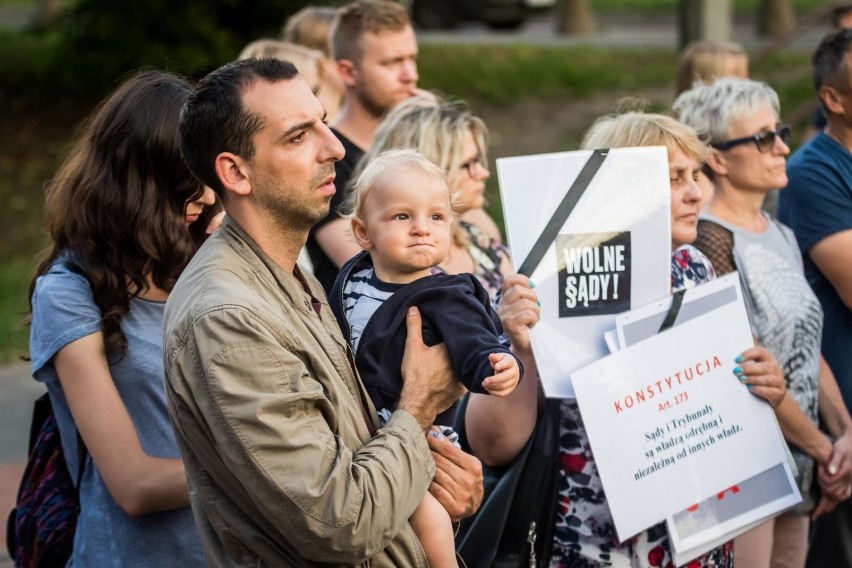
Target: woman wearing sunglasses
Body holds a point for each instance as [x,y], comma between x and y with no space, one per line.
[740,120]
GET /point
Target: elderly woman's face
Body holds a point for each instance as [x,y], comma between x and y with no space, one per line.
[686,198]
[746,166]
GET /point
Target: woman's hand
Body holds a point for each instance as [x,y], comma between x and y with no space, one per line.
[519,310]
[761,373]
[835,476]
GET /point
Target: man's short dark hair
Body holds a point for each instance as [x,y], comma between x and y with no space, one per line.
[828,64]
[214,120]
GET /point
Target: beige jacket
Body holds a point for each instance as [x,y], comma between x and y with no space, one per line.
[271,421]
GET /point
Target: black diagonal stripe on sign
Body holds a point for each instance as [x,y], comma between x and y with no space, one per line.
[551,230]
[674,310]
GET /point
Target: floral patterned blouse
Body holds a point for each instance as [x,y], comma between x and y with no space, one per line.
[487,256]
[585,535]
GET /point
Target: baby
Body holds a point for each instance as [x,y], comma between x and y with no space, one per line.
[402,217]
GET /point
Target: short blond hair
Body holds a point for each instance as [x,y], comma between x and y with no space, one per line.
[362,17]
[309,62]
[704,61]
[311,27]
[631,129]
[386,164]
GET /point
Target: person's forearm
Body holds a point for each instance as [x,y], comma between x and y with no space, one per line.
[801,432]
[413,403]
[498,427]
[158,484]
[832,409]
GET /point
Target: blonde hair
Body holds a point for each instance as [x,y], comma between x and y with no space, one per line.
[704,61]
[387,163]
[306,60]
[435,130]
[633,129]
[311,27]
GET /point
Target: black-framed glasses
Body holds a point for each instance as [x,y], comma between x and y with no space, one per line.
[764,141]
[474,165]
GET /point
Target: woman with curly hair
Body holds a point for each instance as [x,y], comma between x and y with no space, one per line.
[123,213]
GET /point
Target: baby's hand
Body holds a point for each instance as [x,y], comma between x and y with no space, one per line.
[506,374]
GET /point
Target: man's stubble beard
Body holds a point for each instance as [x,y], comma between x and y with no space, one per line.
[371,105]
[290,212]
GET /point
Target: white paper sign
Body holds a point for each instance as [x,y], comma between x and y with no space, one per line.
[613,253]
[724,516]
[730,513]
[669,423]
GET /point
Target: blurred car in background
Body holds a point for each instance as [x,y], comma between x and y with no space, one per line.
[502,14]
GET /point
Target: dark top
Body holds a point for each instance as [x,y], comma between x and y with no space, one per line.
[456,310]
[324,269]
[817,203]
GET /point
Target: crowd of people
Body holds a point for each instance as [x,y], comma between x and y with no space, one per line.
[297,248]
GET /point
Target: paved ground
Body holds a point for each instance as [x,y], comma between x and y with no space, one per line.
[17,392]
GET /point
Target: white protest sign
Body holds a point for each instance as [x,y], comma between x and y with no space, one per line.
[611,253]
[669,423]
[703,527]
[706,525]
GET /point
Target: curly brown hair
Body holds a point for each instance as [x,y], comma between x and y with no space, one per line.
[116,204]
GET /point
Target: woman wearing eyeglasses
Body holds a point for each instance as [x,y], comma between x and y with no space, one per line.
[456,141]
[740,120]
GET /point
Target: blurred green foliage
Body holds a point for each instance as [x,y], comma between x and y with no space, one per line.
[94,43]
[507,73]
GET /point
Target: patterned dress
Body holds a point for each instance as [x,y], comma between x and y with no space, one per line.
[585,535]
[487,255]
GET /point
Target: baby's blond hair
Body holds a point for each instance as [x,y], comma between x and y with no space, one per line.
[385,164]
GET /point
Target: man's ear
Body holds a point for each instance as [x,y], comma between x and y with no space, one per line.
[831,99]
[716,162]
[233,172]
[359,231]
[347,72]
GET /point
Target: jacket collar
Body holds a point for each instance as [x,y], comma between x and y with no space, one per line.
[295,284]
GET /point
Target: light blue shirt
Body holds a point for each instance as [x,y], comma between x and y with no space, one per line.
[64,311]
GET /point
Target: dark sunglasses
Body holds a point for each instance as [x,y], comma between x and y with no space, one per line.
[764,141]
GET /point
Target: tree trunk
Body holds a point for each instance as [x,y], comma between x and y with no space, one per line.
[575,17]
[704,19]
[774,17]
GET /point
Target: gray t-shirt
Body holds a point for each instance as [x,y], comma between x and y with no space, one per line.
[785,314]
[64,311]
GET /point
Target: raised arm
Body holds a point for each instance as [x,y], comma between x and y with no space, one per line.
[497,428]
[137,482]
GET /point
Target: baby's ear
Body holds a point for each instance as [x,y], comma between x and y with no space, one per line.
[359,231]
